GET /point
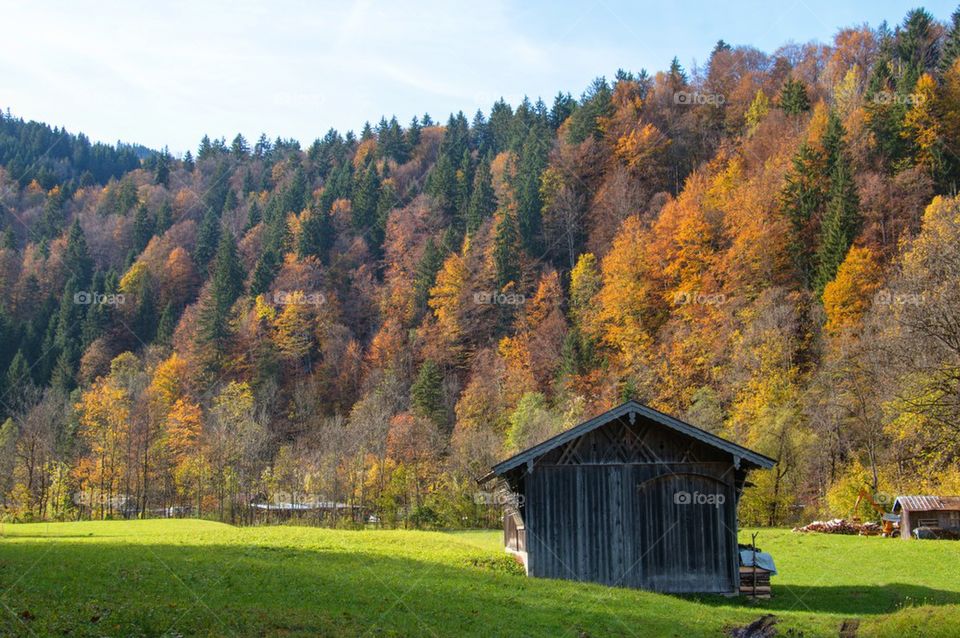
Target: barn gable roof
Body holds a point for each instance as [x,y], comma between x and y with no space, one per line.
[528,455]
[926,503]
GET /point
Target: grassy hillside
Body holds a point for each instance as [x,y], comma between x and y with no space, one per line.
[171,578]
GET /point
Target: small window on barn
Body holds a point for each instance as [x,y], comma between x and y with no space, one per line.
[928,522]
[954,519]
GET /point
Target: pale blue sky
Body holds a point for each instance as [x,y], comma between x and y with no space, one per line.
[166,73]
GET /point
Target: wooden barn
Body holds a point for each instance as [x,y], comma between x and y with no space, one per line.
[935,513]
[631,498]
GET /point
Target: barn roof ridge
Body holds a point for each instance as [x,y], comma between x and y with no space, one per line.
[624,409]
[925,503]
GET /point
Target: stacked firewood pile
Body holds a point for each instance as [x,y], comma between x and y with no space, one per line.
[754,581]
[842,526]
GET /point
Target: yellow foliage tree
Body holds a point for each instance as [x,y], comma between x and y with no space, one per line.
[757,111]
[135,280]
[182,429]
[169,380]
[848,296]
[641,146]
[294,326]
[446,295]
[104,412]
[627,309]
[923,126]
[950,108]
[585,283]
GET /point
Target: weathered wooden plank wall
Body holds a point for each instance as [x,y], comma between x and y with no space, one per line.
[621,525]
[607,510]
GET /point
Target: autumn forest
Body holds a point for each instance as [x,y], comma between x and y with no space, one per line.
[765,246]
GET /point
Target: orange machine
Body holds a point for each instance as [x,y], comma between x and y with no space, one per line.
[865,493]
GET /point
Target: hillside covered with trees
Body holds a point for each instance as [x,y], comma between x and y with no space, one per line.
[766,247]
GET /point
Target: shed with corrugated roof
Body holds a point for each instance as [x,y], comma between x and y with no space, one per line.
[933,512]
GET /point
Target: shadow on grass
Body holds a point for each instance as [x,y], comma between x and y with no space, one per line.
[131,588]
[13,537]
[155,589]
[853,599]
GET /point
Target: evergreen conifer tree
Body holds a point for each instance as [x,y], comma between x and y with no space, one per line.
[839,226]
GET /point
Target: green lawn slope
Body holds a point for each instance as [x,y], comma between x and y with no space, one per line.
[198,578]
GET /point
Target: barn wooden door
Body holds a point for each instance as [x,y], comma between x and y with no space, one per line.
[685,533]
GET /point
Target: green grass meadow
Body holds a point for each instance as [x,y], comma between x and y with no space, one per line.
[198,578]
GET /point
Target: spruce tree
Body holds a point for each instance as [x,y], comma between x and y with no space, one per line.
[483,200]
[164,218]
[226,285]
[365,198]
[506,250]
[94,322]
[18,382]
[228,273]
[166,325]
[64,373]
[386,202]
[426,393]
[951,44]
[218,187]
[161,169]
[833,142]
[239,147]
[597,103]
[533,160]
[499,126]
[839,226]
[67,337]
[442,184]
[293,199]
[456,138]
[885,112]
[677,77]
[254,216]
[337,186]
[145,318]
[54,215]
[264,272]
[480,134]
[77,259]
[205,150]
[793,97]
[316,234]
[392,142]
[801,201]
[263,147]
[563,107]
[143,227]
[425,274]
[231,201]
[916,46]
[248,185]
[208,237]
[452,240]
[464,179]
[413,133]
